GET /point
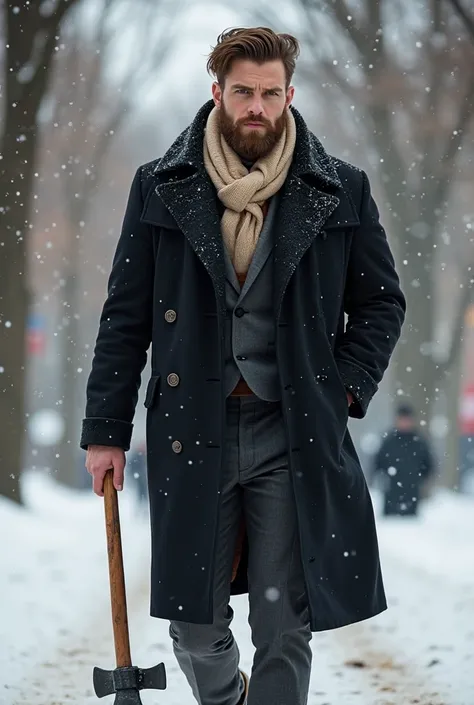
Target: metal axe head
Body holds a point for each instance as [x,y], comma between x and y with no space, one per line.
[127,682]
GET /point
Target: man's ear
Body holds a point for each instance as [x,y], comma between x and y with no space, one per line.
[217,94]
[290,94]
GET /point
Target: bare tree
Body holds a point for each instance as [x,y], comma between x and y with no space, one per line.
[410,73]
[90,108]
[31,31]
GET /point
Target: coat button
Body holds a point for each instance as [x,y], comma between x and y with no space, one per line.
[177,446]
[239,312]
[170,316]
[173,379]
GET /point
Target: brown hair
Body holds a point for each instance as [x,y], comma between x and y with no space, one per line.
[259,44]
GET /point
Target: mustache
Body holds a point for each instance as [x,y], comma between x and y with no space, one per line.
[255,121]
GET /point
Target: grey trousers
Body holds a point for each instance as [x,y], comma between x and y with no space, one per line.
[255,483]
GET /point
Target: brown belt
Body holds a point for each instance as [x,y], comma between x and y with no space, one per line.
[241,389]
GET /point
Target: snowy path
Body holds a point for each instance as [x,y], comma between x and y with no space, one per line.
[420,651]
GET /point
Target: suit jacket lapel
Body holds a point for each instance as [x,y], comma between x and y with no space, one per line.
[231,275]
[263,248]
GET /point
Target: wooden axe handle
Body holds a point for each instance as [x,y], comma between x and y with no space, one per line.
[116,574]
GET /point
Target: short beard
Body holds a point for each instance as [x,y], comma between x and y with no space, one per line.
[254,145]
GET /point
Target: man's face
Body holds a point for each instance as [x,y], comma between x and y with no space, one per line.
[405,423]
[252,105]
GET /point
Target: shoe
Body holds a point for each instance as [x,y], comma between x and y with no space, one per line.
[245,680]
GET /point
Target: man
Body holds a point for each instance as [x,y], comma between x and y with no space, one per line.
[241,250]
[405,463]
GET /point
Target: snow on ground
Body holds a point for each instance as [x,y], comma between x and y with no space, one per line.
[54,581]
[55,621]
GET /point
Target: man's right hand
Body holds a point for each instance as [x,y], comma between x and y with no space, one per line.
[99,460]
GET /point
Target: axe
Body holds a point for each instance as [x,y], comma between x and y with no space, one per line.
[126,680]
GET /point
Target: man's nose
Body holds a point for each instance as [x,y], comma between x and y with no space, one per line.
[256,107]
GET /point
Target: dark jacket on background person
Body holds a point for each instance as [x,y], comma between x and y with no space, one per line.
[403,463]
[167,287]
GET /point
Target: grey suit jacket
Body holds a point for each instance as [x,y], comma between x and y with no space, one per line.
[250,323]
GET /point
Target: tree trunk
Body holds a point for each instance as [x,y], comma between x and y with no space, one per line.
[16,175]
[449,467]
[31,36]
[414,370]
[415,375]
[68,470]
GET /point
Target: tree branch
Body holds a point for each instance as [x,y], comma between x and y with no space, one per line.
[455,142]
[38,37]
[434,59]
[360,36]
[467,20]
[341,14]
[53,20]
[334,76]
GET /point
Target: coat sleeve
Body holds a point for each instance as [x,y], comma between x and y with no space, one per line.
[375,306]
[124,333]
[427,465]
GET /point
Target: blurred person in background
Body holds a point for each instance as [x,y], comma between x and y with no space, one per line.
[241,250]
[403,465]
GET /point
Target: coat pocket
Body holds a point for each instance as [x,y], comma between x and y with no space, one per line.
[151,391]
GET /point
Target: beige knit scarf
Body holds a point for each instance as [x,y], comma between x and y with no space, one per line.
[244,192]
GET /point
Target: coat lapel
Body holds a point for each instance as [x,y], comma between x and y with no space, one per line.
[192,203]
[303,212]
[313,192]
[187,192]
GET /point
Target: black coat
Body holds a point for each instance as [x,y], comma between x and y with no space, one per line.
[331,256]
[404,462]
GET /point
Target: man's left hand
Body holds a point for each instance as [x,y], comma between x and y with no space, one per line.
[350,398]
